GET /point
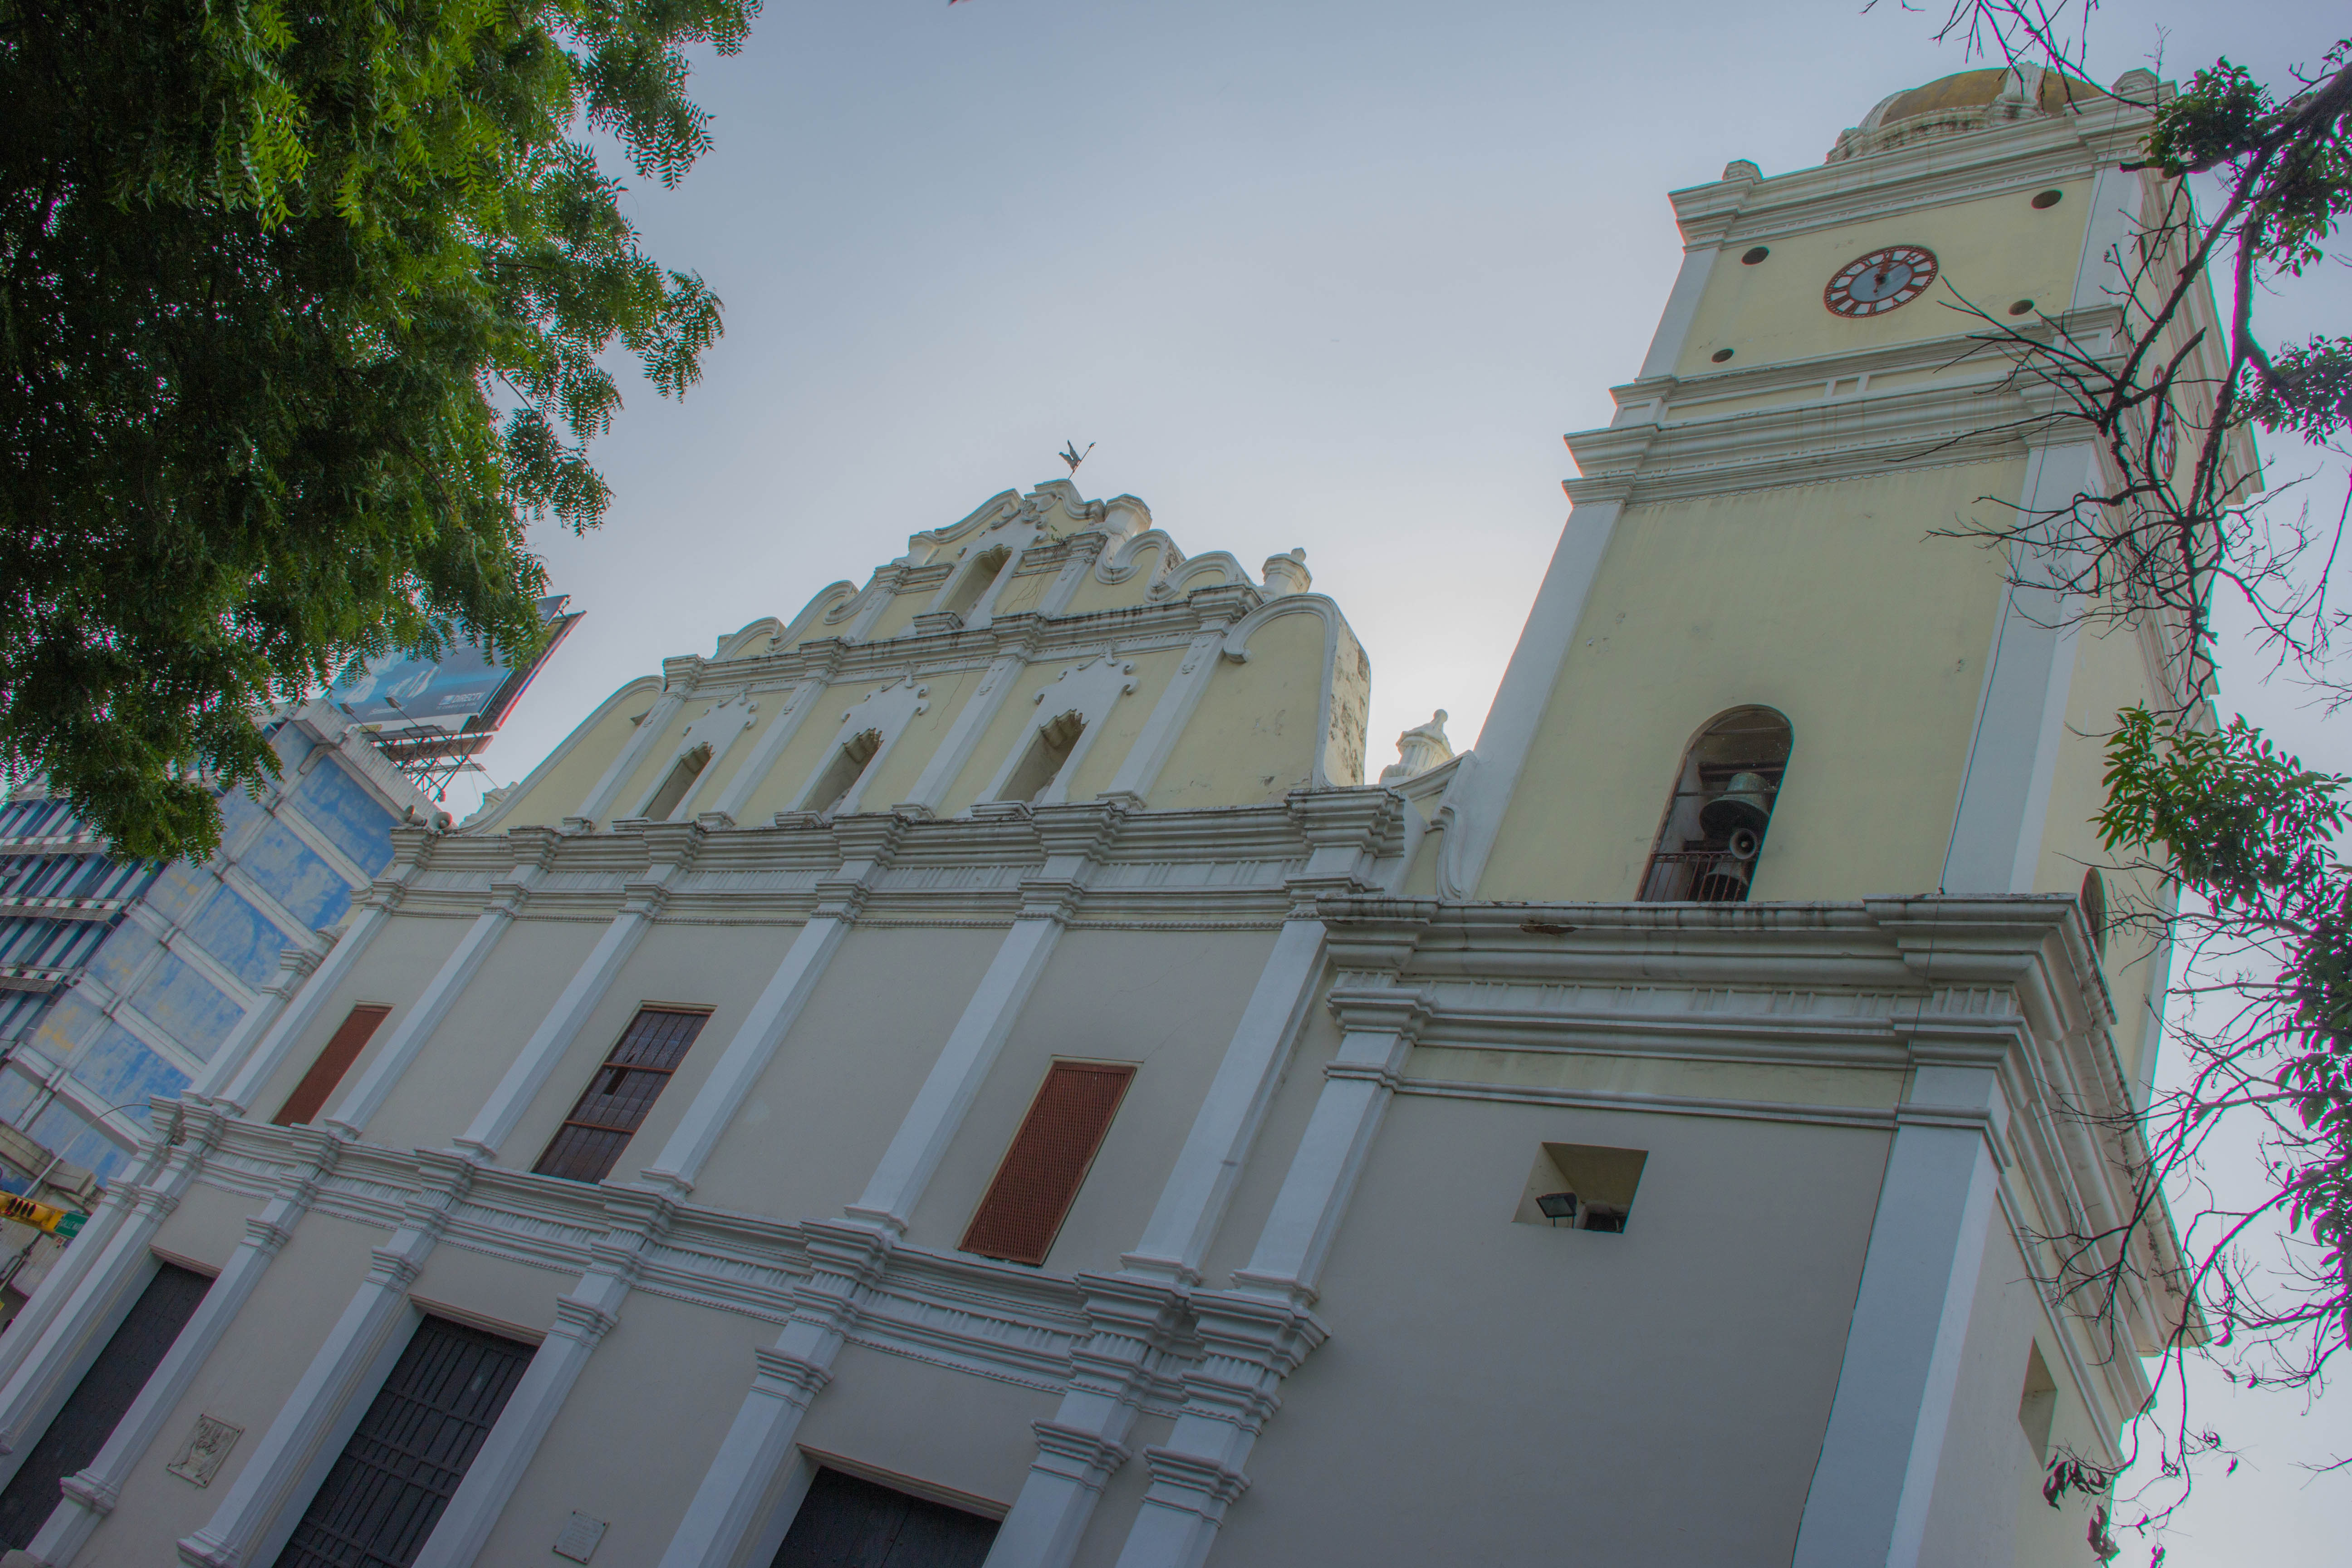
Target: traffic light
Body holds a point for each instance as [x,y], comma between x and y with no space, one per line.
[63,1223]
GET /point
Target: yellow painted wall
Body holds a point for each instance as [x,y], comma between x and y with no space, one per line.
[1094,595]
[722,770]
[1124,723]
[2111,672]
[555,791]
[813,746]
[901,615]
[1254,734]
[1023,592]
[1822,601]
[1993,251]
[894,775]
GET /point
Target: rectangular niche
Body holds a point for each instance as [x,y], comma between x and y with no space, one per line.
[1601,1180]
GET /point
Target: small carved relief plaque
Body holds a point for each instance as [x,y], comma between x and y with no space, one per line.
[580,1537]
[199,1459]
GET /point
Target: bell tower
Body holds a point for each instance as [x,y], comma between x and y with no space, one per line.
[1758,665]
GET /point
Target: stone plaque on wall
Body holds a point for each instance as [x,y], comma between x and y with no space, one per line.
[199,1459]
[580,1537]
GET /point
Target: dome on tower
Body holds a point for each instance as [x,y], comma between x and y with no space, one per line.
[1970,100]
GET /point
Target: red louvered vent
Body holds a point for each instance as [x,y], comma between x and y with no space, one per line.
[310,1096]
[1047,1164]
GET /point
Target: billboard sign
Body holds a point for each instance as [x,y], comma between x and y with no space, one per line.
[465,689]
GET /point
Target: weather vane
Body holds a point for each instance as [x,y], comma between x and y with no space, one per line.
[1071,455]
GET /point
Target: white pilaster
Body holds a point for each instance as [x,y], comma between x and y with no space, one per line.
[1484,783]
[677,683]
[1379,1025]
[101,1239]
[2100,276]
[1258,1333]
[263,1504]
[955,748]
[1219,608]
[1073,836]
[582,1318]
[797,705]
[1132,1315]
[672,847]
[963,1063]
[1681,309]
[751,1479]
[867,846]
[1877,1474]
[60,1331]
[2004,798]
[1251,1342]
[534,852]
[1119,517]
[91,1494]
[1217,1147]
[1130,1325]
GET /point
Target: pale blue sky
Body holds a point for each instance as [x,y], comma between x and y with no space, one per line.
[1318,274]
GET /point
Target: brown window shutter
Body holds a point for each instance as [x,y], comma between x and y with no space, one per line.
[310,1096]
[613,1105]
[1047,1164]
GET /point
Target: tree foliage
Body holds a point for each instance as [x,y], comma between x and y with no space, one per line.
[303,309]
[2249,831]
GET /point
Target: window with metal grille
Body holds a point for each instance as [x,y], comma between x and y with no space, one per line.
[845,1521]
[310,1096]
[388,1486]
[1041,1174]
[589,1143]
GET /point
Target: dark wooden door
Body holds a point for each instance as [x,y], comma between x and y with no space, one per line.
[106,1391]
[387,1490]
[845,1522]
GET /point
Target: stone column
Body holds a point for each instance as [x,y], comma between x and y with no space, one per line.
[1877,1474]
[534,849]
[262,1505]
[671,846]
[91,1494]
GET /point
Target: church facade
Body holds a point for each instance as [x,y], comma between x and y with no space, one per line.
[975,1075]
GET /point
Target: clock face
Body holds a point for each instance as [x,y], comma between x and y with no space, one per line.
[1882,281]
[2164,448]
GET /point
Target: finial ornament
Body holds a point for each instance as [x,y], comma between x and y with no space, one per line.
[1419,749]
[1071,455]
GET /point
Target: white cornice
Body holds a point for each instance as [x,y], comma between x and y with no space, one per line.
[1933,173]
